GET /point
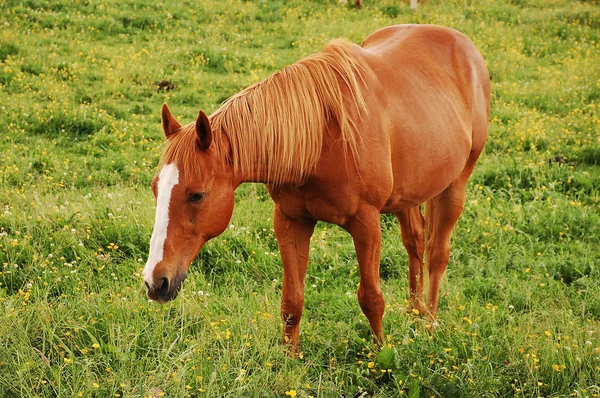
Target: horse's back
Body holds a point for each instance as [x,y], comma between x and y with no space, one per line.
[430,94]
[435,56]
[424,43]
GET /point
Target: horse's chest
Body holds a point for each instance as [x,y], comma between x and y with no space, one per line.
[335,212]
[320,204]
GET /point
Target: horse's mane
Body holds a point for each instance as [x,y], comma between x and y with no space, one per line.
[279,122]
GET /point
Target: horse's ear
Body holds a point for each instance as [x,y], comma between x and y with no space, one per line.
[203,131]
[170,125]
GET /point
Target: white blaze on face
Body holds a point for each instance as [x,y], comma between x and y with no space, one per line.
[167,179]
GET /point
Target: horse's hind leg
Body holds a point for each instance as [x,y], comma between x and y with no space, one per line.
[442,213]
[293,237]
[412,229]
[366,233]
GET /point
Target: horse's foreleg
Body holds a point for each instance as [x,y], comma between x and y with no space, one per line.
[293,237]
[412,228]
[366,233]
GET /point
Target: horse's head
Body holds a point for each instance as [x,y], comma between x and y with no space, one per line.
[194,202]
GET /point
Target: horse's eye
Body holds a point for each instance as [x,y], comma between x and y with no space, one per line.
[197,197]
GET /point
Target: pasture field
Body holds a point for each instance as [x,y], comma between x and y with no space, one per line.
[81,85]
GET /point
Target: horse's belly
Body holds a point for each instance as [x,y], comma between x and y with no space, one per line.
[404,198]
[396,203]
[407,195]
[421,172]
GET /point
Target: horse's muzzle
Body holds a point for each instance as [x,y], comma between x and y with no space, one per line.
[164,289]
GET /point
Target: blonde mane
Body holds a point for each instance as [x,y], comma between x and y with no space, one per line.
[279,123]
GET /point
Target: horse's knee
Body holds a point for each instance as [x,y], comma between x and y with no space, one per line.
[371,302]
[291,311]
[414,245]
[412,231]
[439,255]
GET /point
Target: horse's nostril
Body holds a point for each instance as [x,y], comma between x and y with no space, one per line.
[163,286]
[162,282]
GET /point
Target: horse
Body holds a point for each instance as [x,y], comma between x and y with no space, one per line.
[341,136]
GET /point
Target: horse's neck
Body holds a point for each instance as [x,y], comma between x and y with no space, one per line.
[258,172]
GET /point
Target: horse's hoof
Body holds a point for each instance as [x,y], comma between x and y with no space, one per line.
[416,309]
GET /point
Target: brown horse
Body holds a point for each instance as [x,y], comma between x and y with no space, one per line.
[340,136]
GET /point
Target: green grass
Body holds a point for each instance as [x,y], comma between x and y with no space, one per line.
[80,115]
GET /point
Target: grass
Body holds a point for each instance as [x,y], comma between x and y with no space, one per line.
[79,107]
